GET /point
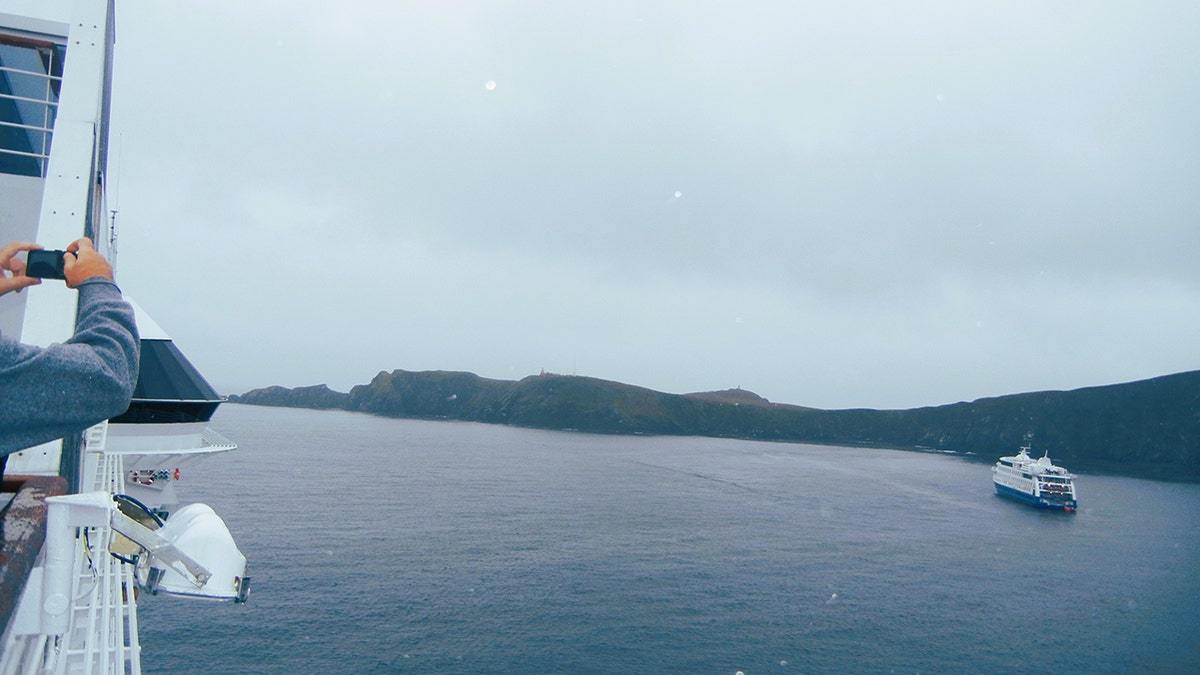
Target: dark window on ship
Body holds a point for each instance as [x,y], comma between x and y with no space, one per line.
[30,79]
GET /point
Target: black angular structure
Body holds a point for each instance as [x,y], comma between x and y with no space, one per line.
[166,425]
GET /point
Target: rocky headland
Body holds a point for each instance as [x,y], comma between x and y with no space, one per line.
[1149,428]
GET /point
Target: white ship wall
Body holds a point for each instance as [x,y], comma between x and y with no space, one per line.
[42,16]
[19,211]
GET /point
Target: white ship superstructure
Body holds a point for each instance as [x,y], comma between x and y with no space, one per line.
[1034,481]
[90,522]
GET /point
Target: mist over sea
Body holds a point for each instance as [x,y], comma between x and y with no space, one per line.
[379,545]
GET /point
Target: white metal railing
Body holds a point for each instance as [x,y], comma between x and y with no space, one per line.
[103,637]
[34,116]
[101,634]
[215,442]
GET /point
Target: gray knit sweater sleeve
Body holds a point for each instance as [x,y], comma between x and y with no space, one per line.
[47,393]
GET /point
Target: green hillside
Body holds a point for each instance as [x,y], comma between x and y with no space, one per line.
[1149,428]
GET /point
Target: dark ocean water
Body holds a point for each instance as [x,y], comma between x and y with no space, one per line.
[380,545]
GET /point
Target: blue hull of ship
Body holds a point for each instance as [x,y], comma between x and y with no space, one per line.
[1006,491]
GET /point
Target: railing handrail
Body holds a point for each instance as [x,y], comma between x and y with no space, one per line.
[39,101]
[215,441]
[35,73]
[35,155]
[17,125]
[26,120]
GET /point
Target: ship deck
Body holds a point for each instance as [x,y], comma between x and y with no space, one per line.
[22,532]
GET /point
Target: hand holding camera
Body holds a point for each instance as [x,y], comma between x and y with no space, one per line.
[78,263]
[81,262]
[10,263]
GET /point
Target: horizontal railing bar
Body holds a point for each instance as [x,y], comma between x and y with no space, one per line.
[6,151]
[35,73]
[40,101]
[27,127]
[19,40]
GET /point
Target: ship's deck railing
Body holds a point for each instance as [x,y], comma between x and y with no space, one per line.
[22,531]
[100,631]
[28,106]
[214,442]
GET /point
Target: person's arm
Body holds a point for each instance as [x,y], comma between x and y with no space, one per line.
[49,392]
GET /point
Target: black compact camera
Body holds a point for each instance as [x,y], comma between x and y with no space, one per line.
[45,264]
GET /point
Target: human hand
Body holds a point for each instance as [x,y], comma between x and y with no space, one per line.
[9,263]
[81,262]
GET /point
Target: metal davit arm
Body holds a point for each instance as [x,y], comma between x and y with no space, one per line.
[174,548]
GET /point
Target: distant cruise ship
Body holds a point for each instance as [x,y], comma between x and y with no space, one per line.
[1034,481]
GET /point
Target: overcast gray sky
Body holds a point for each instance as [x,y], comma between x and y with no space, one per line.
[851,204]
